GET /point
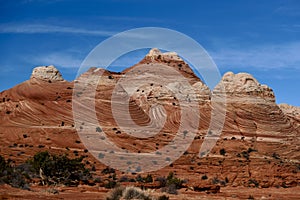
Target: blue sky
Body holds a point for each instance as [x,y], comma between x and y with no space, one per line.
[261,37]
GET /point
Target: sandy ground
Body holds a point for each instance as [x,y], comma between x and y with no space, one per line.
[86,192]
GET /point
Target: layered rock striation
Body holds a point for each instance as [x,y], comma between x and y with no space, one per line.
[255,126]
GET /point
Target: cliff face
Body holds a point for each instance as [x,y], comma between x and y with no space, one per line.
[260,138]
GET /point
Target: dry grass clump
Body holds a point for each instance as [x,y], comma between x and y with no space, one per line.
[128,193]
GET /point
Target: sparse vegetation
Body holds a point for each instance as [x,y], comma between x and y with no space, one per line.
[13,176]
[250,197]
[253,182]
[109,184]
[108,170]
[204,177]
[251,150]
[222,152]
[245,154]
[163,197]
[147,179]
[215,180]
[129,193]
[170,184]
[53,169]
[276,156]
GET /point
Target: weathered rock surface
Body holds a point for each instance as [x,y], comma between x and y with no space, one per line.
[157,54]
[46,73]
[243,85]
[260,138]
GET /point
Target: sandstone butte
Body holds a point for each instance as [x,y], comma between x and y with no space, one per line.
[41,108]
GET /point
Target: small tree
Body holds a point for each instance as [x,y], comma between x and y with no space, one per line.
[59,169]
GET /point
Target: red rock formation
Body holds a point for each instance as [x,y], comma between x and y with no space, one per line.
[259,142]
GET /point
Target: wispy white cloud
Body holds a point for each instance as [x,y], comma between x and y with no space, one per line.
[131,19]
[50,29]
[60,59]
[40,28]
[261,56]
[289,10]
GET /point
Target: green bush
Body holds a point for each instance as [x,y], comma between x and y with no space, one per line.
[171,179]
[170,184]
[110,184]
[12,175]
[147,179]
[54,169]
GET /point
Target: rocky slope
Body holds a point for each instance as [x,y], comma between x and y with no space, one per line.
[258,146]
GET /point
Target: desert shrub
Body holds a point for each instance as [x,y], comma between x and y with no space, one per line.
[253,182]
[171,189]
[3,165]
[12,175]
[222,152]
[162,181]
[113,176]
[97,180]
[124,179]
[170,184]
[204,177]
[98,129]
[163,197]
[251,150]
[146,179]
[276,156]
[215,180]
[129,193]
[171,179]
[59,169]
[135,193]
[110,184]
[245,154]
[108,170]
[226,180]
[139,178]
[116,194]
[52,191]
